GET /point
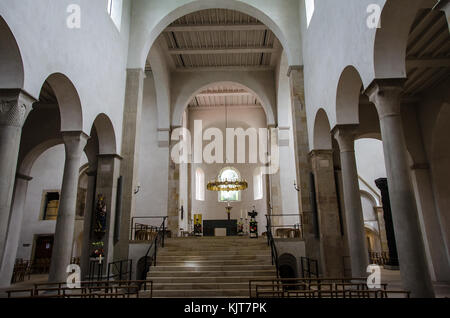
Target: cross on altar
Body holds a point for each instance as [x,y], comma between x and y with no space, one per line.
[100,258]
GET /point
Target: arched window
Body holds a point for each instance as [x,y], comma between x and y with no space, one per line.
[114,9]
[309,4]
[258,193]
[230,174]
[199,185]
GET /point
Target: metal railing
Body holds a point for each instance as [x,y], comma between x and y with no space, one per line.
[273,247]
[144,228]
[153,249]
[310,267]
[120,269]
[287,230]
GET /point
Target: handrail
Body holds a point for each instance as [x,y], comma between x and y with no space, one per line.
[154,244]
[271,243]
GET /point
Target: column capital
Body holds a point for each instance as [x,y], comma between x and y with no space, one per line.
[291,68]
[74,142]
[386,94]
[420,166]
[23,177]
[345,136]
[110,156]
[381,183]
[15,105]
[321,152]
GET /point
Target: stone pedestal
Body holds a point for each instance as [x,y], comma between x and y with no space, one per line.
[15,105]
[345,135]
[386,95]
[62,250]
[331,245]
[388,225]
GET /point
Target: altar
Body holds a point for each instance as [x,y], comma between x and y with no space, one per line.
[210,226]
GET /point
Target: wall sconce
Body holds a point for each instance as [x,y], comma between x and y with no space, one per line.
[297,188]
[138,188]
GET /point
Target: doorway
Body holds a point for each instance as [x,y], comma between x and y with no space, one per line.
[42,253]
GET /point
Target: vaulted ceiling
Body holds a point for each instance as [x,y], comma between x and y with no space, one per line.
[226,94]
[220,39]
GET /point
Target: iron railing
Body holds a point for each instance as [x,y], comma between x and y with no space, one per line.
[144,228]
[153,249]
[120,270]
[287,229]
[310,267]
[273,247]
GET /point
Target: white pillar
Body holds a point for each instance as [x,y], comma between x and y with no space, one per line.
[62,250]
[386,95]
[15,106]
[345,135]
[14,230]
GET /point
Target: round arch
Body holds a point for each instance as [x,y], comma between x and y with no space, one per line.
[11,64]
[347,96]
[322,135]
[68,101]
[106,135]
[144,40]
[193,86]
[391,39]
[35,153]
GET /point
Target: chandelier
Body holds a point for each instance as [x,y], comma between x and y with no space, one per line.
[227,186]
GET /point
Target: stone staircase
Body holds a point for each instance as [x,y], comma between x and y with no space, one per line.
[208,267]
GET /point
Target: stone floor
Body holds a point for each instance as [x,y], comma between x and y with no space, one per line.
[387,276]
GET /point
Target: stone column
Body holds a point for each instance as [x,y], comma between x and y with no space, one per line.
[15,105]
[303,165]
[14,229]
[386,95]
[382,184]
[130,153]
[88,223]
[107,176]
[382,229]
[345,135]
[173,192]
[74,142]
[331,245]
[433,239]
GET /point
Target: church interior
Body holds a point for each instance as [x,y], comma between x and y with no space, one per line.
[224,149]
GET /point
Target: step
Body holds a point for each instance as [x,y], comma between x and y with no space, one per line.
[220,280]
[213,262]
[200,285]
[180,252]
[211,268]
[242,273]
[195,293]
[193,258]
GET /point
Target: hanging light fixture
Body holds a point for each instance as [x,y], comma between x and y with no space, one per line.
[225,184]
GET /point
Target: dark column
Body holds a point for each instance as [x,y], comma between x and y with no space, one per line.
[382,184]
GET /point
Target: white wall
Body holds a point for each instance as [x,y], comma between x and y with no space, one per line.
[211,209]
[370,163]
[153,160]
[47,174]
[92,57]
